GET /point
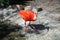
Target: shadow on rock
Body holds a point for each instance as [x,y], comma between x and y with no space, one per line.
[5,30]
[38,27]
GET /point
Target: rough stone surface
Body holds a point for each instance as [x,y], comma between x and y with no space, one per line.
[50,16]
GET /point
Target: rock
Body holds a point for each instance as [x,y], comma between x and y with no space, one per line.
[49,16]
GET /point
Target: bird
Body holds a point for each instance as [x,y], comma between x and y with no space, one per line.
[27,15]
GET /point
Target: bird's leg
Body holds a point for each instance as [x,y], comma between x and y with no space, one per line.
[32,26]
[26,28]
[25,23]
[29,22]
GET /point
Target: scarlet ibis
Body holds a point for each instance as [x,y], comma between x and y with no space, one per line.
[27,15]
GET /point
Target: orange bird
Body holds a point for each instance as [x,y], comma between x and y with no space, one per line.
[27,15]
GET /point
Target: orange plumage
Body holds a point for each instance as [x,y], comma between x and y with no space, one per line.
[27,15]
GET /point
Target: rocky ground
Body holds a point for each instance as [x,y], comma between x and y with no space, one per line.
[49,17]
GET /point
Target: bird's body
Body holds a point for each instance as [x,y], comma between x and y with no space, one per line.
[27,15]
